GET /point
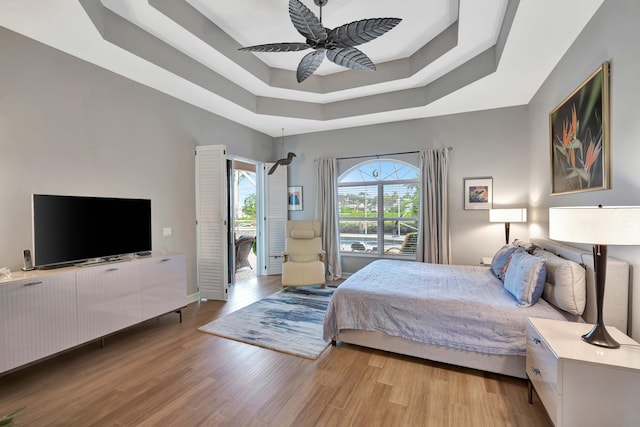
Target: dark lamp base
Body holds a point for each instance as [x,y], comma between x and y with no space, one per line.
[600,337]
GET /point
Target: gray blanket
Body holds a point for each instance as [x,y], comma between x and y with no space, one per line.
[463,307]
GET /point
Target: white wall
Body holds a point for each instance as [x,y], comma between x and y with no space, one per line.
[485,143]
[69,127]
[612,35]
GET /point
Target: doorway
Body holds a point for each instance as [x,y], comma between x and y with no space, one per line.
[243,212]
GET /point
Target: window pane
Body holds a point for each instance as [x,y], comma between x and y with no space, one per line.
[359,236]
[401,200]
[379,202]
[400,237]
[358,202]
[380,170]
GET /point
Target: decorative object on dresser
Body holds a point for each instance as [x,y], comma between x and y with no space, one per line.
[508,216]
[579,384]
[289,321]
[478,193]
[579,129]
[599,226]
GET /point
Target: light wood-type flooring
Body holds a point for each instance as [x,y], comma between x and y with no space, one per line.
[166,373]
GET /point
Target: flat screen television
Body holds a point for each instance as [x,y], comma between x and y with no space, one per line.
[72,229]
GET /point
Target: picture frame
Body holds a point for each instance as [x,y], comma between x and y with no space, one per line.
[478,193]
[579,137]
[294,198]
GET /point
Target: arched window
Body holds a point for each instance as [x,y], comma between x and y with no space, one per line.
[379,202]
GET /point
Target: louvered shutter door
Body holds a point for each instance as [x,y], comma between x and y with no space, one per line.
[276,205]
[211,218]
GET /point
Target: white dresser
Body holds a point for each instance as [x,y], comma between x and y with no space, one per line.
[580,384]
[43,312]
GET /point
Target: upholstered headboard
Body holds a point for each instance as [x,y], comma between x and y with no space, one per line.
[616,296]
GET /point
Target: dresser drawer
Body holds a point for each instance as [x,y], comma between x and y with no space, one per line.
[542,370]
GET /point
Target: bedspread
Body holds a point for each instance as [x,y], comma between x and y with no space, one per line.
[463,307]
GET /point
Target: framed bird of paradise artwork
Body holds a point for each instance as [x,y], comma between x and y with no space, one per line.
[579,129]
[478,193]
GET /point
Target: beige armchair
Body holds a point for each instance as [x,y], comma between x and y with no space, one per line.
[303,257]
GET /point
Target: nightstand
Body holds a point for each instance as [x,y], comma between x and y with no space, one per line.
[580,384]
[485,261]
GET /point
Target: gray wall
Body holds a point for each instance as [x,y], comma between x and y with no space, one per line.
[69,127]
[485,143]
[612,35]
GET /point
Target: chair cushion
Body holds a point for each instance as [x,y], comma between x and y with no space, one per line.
[302,234]
[302,273]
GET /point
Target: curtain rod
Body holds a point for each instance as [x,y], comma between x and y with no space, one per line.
[449,148]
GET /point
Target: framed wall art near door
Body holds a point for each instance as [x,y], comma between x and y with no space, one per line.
[478,193]
[579,133]
[294,196]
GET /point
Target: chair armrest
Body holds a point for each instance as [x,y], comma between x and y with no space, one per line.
[286,256]
[321,255]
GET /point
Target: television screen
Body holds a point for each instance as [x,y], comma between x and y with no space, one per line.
[70,229]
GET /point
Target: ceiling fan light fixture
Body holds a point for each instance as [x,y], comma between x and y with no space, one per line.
[337,45]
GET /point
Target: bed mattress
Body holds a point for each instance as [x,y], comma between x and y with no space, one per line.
[463,307]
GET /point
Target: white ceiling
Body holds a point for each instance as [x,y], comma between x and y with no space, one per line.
[259,90]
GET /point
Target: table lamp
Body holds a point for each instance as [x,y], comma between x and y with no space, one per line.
[508,216]
[599,226]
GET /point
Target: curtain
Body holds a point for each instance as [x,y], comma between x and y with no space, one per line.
[433,238]
[327,213]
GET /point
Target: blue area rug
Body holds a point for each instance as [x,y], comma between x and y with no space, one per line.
[289,321]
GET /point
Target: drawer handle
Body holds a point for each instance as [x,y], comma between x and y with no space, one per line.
[165,259]
[113,269]
[536,371]
[535,340]
[32,283]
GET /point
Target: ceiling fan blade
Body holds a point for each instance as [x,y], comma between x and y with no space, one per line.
[309,64]
[358,32]
[277,47]
[351,57]
[306,22]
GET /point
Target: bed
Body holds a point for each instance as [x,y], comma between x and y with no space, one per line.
[462,315]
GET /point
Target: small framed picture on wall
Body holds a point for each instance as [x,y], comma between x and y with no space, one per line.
[478,193]
[294,197]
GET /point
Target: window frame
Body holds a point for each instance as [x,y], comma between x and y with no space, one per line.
[380,218]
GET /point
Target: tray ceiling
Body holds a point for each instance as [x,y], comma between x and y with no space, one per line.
[445,57]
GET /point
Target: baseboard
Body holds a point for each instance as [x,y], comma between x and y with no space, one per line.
[193,297]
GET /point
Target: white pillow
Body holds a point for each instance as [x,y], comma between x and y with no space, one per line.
[566,286]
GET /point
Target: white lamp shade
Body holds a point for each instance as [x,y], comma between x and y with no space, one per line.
[610,225]
[508,215]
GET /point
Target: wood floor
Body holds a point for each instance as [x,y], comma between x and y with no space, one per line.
[166,373]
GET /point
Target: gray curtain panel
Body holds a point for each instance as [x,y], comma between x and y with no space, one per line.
[434,244]
[327,213]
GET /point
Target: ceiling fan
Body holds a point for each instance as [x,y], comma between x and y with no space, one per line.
[338,44]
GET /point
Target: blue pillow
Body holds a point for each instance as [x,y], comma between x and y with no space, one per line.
[525,278]
[500,260]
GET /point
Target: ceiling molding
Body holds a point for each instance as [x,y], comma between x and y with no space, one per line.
[199,25]
[178,47]
[129,36]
